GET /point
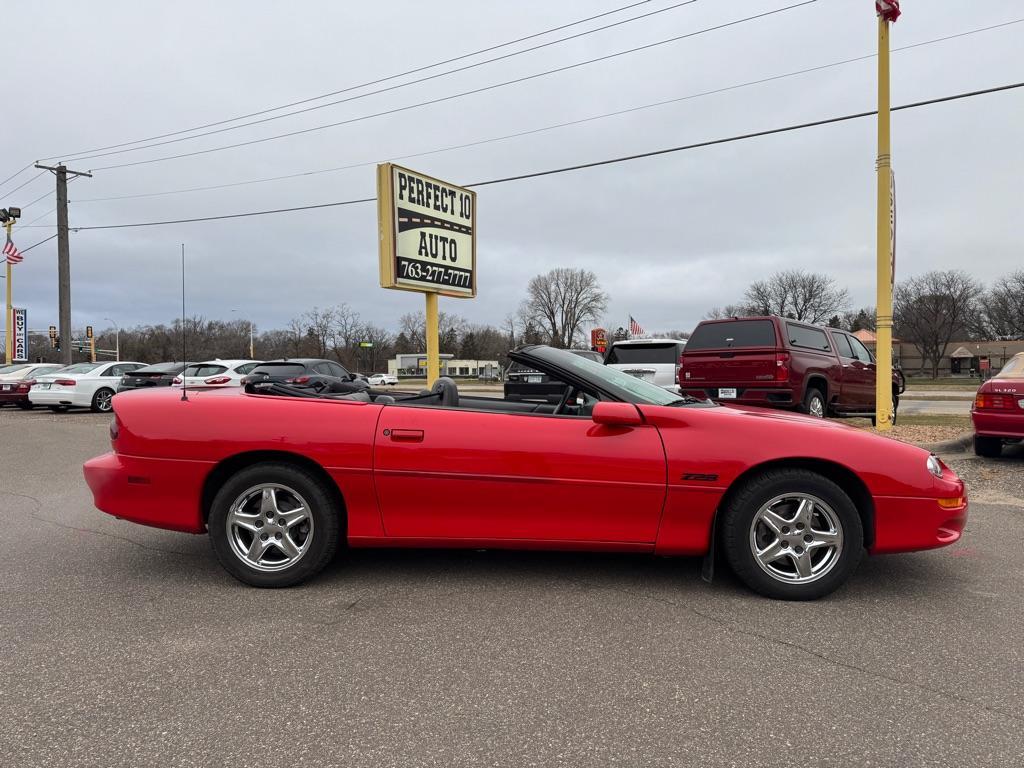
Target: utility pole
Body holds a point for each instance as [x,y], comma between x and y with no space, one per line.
[63,257]
[888,11]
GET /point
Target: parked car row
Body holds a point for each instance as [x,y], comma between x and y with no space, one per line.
[93,385]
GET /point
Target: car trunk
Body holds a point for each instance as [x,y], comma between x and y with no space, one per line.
[148,379]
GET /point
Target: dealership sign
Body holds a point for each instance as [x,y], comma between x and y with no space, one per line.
[427,233]
[20,354]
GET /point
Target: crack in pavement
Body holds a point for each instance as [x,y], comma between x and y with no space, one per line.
[33,514]
[731,627]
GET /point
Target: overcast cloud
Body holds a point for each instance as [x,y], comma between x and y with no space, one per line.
[670,236]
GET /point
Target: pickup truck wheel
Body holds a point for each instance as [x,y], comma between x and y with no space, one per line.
[792,534]
[989,447]
[274,525]
[814,403]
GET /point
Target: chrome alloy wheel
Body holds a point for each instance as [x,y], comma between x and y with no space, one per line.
[796,538]
[269,527]
[103,400]
[816,407]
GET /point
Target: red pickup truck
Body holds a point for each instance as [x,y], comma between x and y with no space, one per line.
[779,363]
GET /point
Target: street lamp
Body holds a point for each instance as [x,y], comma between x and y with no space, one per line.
[117,339]
[252,355]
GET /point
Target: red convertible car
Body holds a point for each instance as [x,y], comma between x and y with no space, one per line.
[281,482]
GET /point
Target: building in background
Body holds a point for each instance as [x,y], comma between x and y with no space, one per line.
[415,366]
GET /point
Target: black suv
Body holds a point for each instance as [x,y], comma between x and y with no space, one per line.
[528,385]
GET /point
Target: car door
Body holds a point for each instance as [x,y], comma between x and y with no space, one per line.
[453,473]
[857,389]
[867,369]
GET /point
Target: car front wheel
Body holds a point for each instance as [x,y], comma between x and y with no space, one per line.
[274,525]
[792,534]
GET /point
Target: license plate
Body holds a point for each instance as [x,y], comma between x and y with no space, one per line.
[533,379]
[43,385]
[727,393]
[7,387]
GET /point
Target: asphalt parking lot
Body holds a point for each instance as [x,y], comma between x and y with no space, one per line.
[128,646]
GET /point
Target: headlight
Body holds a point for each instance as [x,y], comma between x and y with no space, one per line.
[934,465]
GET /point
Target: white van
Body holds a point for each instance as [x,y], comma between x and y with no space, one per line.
[653,360]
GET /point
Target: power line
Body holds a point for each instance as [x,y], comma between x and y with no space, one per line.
[360,85]
[453,96]
[387,89]
[15,174]
[594,164]
[42,215]
[555,126]
[25,183]
[46,240]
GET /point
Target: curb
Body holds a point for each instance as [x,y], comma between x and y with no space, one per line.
[955,445]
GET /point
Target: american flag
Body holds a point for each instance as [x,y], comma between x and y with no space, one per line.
[888,9]
[12,254]
[635,329]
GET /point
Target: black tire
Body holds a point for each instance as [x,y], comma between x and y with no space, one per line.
[102,400]
[814,403]
[325,533]
[58,408]
[989,447]
[736,522]
[26,406]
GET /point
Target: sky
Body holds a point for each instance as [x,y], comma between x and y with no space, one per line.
[670,237]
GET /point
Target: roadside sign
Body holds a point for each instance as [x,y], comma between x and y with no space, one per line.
[365,344]
[20,352]
[427,233]
[599,340]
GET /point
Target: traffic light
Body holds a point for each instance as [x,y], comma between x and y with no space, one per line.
[54,340]
[88,331]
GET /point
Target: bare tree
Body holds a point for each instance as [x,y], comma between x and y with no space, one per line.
[413,326]
[729,310]
[561,302]
[930,308]
[862,319]
[1002,308]
[808,296]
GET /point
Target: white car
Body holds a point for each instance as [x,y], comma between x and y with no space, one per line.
[380,379]
[15,380]
[86,385]
[653,360]
[216,373]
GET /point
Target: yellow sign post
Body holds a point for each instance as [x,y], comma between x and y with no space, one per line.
[427,233]
[884,239]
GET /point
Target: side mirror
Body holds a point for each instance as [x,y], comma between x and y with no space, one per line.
[616,414]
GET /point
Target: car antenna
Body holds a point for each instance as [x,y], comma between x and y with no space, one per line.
[184,383]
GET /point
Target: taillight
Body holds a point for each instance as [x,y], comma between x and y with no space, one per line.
[990,402]
[65,382]
[25,386]
[298,380]
[115,428]
[218,380]
[782,366]
[177,380]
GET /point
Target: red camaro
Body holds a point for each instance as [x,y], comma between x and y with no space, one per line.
[282,482]
[998,412]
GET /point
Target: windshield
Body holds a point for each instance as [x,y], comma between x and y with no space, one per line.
[631,354]
[1013,369]
[618,383]
[4,369]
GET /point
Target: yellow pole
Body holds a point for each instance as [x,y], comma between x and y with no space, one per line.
[9,314]
[883,346]
[433,352]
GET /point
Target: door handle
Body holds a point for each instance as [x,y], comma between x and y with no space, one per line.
[405,435]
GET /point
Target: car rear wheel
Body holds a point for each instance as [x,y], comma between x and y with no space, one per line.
[989,447]
[814,403]
[25,406]
[792,534]
[102,401]
[274,525]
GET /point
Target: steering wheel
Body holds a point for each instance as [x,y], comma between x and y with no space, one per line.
[569,390]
